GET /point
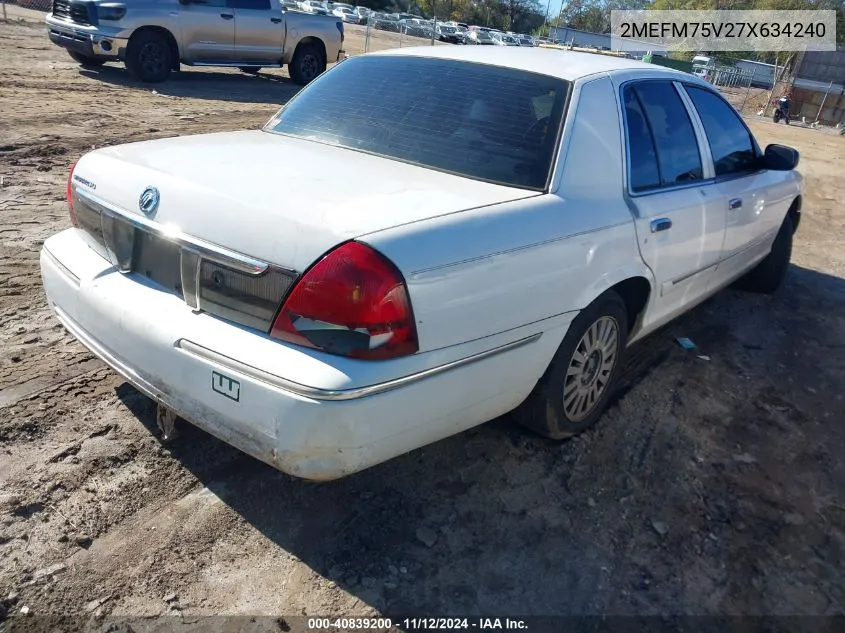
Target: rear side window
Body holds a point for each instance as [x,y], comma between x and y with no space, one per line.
[642,155]
[483,122]
[730,141]
[655,112]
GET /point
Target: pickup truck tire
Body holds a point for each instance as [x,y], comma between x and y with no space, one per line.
[86,61]
[572,394]
[769,274]
[149,57]
[306,65]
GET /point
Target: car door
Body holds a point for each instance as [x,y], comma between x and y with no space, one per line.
[755,199]
[679,215]
[259,31]
[208,31]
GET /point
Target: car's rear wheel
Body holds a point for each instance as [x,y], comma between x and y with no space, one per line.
[572,394]
[149,57]
[306,65]
[86,61]
[769,274]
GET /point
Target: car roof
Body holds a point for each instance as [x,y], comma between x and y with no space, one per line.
[568,65]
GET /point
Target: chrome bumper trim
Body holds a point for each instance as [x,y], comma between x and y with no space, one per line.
[141,384]
[61,266]
[225,362]
[208,251]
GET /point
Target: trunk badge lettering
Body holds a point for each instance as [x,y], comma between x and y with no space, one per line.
[148,202]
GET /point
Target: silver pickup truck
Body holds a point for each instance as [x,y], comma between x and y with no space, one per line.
[152,37]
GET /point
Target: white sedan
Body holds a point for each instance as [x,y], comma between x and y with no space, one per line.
[528,214]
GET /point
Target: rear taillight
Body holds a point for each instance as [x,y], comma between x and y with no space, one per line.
[69,192]
[353,302]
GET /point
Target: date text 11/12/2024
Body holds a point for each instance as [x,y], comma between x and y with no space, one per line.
[422,624]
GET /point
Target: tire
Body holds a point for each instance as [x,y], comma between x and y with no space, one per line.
[776,117]
[307,64]
[769,274]
[571,397]
[149,57]
[86,61]
[249,70]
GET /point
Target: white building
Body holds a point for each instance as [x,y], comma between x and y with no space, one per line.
[762,74]
[601,41]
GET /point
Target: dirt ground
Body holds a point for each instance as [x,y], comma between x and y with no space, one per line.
[711,487]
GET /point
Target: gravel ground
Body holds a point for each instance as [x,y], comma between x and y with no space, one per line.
[710,487]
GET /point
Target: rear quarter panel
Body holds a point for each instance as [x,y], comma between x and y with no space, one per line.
[301,25]
[484,271]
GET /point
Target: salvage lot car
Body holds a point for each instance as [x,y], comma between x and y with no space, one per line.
[153,37]
[536,211]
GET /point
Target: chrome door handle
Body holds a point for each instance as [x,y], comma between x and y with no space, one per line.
[661,224]
[226,16]
[736,203]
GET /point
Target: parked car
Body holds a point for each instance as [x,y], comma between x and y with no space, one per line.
[417,28]
[480,37]
[154,37]
[525,40]
[510,40]
[315,7]
[498,39]
[346,14]
[386,22]
[501,260]
[451,34]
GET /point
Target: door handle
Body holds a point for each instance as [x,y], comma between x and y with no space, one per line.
[275,20]
[736,203]
[661,224]
[226,16]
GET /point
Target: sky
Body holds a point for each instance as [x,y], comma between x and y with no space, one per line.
[554,10]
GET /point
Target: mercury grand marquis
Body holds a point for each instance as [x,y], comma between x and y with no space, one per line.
[418,242]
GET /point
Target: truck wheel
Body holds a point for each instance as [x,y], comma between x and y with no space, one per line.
[306,65]
[768,275]
[86,61]
[572,394]
[149,57]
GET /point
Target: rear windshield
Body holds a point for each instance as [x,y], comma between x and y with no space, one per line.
[483,122]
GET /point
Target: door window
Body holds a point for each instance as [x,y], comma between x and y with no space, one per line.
[660,137]
[731,144]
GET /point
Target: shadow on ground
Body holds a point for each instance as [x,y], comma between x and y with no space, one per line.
[709,487]
[265,87]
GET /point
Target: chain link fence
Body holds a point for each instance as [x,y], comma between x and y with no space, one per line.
[382,32]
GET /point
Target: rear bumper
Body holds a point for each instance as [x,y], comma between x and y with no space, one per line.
[86,39]
[314,431]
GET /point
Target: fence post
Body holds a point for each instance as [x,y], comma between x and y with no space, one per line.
[433,30]
[747,90]
[772,91]
[821,107]
[4,10]
[401,33]
[367,37]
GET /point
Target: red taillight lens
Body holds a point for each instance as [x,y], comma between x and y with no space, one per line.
[69,192]
[353,302]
